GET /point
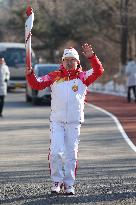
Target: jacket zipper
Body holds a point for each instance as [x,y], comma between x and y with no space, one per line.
[67,98]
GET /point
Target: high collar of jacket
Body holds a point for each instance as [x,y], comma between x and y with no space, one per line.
[71,72]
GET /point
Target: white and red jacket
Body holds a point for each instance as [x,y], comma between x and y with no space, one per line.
[68,90]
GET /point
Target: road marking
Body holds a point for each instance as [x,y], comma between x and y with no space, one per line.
[129,142]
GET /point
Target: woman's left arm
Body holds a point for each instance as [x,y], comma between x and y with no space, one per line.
[97,69]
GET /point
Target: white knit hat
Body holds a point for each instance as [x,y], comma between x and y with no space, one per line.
[70,52]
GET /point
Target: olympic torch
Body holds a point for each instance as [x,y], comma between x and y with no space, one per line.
[28,28]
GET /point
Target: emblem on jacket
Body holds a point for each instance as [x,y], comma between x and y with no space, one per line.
[75,88]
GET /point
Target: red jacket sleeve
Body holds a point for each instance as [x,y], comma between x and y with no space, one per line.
[39,83]
[94,73]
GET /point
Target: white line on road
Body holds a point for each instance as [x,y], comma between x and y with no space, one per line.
[130,143]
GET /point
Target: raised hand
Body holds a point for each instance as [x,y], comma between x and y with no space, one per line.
[87,50]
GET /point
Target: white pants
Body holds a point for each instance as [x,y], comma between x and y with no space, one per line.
[63,152]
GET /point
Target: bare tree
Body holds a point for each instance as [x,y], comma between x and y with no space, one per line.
[124,26]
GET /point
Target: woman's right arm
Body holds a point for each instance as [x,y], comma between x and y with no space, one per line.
[37,83]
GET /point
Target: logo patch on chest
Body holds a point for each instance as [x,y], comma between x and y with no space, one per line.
[75,88]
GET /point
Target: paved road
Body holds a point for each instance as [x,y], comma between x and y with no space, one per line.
[107,165]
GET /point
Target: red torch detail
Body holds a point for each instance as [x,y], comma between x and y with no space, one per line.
[29,11]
